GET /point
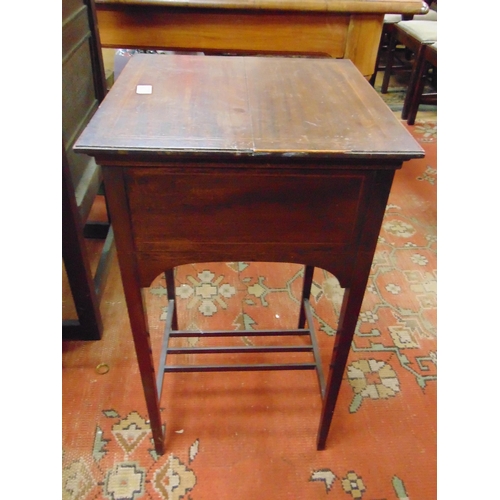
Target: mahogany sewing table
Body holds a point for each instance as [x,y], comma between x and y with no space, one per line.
[222,159]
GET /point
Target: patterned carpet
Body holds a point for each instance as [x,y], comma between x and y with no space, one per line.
[252,435]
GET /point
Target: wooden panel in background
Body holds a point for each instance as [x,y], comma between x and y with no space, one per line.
[83,88]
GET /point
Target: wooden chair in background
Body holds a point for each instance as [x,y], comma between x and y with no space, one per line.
[390,20]
[416,86]
[414,35]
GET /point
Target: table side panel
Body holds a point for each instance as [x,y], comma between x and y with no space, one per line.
[224,31]
[363,40]
[308,217]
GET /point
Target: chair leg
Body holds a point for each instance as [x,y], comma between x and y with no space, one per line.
[411,98]
[391,48]
[417,96]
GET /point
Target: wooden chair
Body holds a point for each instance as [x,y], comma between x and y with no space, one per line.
[390,20]
[413,35]
[417,83]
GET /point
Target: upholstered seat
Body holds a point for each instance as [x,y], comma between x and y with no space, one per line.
[392,18]
[431,15]
[422,31]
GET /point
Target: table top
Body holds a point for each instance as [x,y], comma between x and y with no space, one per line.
[193,105]
[347,6]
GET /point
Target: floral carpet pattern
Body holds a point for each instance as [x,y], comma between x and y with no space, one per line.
[252,435]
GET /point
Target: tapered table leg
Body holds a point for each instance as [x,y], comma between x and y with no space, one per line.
[351,306]
[127,261]
[146,367]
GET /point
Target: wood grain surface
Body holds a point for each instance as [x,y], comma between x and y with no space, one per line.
[247,106]
[350,6]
